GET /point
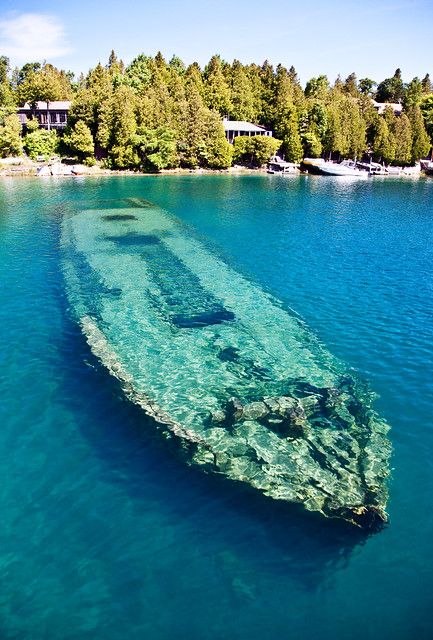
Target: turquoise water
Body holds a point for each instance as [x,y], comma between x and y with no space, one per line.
[105,533]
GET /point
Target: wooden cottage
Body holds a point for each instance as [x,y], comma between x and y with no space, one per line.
[50,115]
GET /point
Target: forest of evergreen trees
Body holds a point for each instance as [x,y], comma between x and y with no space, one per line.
[154,114]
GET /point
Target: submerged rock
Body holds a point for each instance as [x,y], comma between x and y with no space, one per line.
[234,410]
[255,411]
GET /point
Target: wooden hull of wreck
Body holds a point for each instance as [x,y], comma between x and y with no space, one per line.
[222,366]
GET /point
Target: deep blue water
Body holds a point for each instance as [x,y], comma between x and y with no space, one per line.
[105,534]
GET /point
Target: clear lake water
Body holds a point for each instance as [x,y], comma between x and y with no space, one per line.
[105,533]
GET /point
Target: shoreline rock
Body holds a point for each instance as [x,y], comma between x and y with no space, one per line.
[24,167]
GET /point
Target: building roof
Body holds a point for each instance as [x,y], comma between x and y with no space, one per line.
[241,125]
[381,106]
[61,105]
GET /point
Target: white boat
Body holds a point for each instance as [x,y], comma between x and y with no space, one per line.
[312,165]
[345,168]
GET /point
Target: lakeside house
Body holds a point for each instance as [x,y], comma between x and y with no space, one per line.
[50,115]
[235,128]
[381,106]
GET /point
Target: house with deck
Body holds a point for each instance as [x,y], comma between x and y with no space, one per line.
[50,115]
[235,128]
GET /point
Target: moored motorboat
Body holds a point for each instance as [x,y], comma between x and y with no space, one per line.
[342,169]
[312,165]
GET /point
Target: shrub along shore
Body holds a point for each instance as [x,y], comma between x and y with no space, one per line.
[155,115]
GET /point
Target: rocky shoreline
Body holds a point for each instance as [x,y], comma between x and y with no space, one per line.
[24,167]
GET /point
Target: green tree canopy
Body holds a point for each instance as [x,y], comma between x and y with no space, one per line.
[217,92]
[7,96]
[80,140]
[317,88]
[254,151]
[426,106]
[350,85]
[402,132]
[366,86]
[45,84]
[426,84]
[413,93]
[383,145]
[41,143]
[10,137]
[217,153]
[242,95]
[157,148]
[391,89]
[288,132]
[420,139]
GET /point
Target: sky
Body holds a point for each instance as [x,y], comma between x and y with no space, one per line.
[332,37]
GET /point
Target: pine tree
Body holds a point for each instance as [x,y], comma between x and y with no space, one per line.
[391,89]
[115,66]
[426,84]
[157,148]
[311,144]
[177,65]
[217,92]
[80,140]
[288,132]
[426,106]
[191,135]
[402,132]
[317,88]
[420,139]
[193,75]
[217,152]
[7,97]
[91,104]
[122,129]
[267,76]
[350,86]
[314,123]
[356,127]
[138,74]
[413,93]
[283,100]
[384,146]
[242,98]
